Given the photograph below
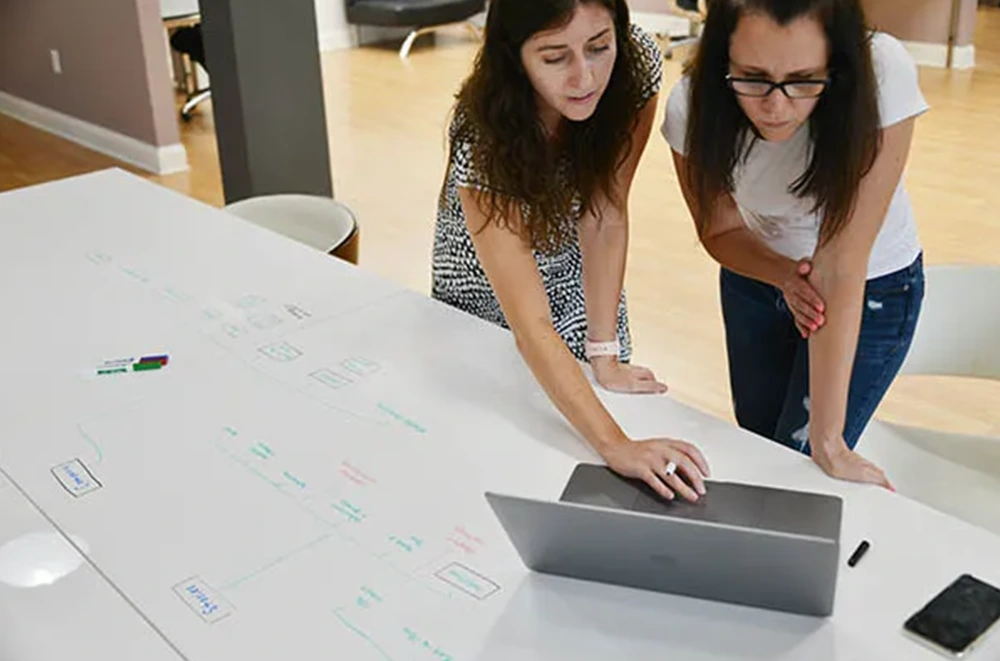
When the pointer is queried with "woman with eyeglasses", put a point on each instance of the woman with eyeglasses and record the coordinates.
(790, 131)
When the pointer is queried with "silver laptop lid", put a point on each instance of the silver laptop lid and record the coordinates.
(745, 505)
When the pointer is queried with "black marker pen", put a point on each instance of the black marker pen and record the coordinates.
(858, 552)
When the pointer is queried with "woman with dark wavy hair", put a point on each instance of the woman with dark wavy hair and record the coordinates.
(532, 226)
(790, 131)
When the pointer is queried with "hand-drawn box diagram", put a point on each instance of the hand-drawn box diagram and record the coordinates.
(76, 478)
(202, 600)
(282, 352)
(330, 379)
(264, 320)
(468, 581)
(360, 366)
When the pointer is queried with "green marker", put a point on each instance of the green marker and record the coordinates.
(141, 366)
(145, 367)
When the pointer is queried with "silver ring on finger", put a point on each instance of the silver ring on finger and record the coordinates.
(671, 469)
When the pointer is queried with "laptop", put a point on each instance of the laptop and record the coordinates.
(746, 544)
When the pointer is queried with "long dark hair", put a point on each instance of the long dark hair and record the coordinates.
(843, 128)
(496, 112)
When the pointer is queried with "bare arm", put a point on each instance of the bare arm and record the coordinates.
(839, 274)
(604, 246)
(731, 243)
(510, 265)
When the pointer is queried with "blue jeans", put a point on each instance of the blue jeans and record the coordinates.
(769, 360)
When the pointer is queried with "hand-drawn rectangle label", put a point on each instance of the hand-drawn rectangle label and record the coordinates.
(203, 600)
(283, 352)
(75, 478)
(361, 366)
(264, 320)
(458, 575)
(331, 379)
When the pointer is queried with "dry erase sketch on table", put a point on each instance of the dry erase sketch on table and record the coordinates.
(310, 460)
(175, 296)
(203, 600)
(76, 478)
(468, 581)
(296, 311)
(281, 352)
(311, 527)
(242, 322)
(246, 315)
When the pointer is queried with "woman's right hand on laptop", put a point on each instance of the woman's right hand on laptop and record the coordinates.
(649, 461)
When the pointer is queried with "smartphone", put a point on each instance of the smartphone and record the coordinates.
(957, 618)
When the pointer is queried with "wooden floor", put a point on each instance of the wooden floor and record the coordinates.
(387, 138)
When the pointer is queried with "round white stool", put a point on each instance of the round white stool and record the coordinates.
(316, 221)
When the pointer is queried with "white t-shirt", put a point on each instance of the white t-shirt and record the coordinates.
(786, 222)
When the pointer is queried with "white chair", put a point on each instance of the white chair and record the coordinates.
(958, 335)
(316, 221)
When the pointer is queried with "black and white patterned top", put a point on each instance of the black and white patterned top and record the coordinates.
(459, 279)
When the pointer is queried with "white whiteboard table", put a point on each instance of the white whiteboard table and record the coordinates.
(306, 476)
(53, 605)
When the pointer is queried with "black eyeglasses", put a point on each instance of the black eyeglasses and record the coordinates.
(793, 89)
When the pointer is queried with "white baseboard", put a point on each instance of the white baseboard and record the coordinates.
(169, 159)
(340, 38)
(936, 55)
(964, 57)
(663, 24)
(158, 160)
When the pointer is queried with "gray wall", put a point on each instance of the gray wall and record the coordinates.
(114, 62)
(921, 20)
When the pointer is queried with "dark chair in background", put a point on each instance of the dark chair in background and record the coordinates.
(188, 40)
(425, 16)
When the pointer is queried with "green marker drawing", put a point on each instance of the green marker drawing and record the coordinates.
(262, 451)
(465, 580)
(275, 562)
(92, 443)
(346, 512)
(278, 486)
(242, 462)
(364, 636)
(294, 480)
(371, 593)
(98, 257)
(407, 422)
(136, 274)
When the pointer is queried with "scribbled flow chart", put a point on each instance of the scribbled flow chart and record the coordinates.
(391, 574)
(257, 330)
